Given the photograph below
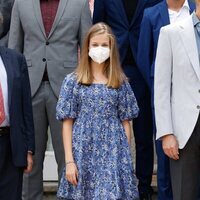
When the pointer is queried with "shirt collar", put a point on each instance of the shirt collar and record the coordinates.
(185, 6)
(195, 19)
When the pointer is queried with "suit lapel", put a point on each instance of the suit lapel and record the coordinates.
(192, 6)
(38, 15)
(118, 4)
(5, 59)
(163, 10)
(60, 11)
(189, 40)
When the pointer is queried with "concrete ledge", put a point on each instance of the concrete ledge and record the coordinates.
(50, 187)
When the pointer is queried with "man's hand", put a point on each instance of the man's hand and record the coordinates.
(29, 163)
(170, 146)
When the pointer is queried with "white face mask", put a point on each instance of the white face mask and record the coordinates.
(99, 54)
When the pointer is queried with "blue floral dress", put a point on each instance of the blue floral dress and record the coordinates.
(100, 146)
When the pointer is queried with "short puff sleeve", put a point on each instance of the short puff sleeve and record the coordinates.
(127, 103)
(67, 105)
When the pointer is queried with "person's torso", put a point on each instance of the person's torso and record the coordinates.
(63, 37)
(126, 33)
(97, 101)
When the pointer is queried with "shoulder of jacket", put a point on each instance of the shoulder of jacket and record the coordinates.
(152, 9)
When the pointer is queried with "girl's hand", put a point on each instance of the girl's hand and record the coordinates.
(72, 173)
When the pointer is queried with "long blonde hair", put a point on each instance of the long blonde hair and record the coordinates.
(112, 71)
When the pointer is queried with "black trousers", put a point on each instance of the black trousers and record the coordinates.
(143, 129)
(185, 172)
(10, 176)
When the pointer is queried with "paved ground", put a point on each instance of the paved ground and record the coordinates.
(53, 197)
(49, 197)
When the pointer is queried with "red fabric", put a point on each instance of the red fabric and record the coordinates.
(48, 9)
(2, 111)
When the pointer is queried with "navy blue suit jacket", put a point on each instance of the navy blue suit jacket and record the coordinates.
(113, 13)
(154, 18)
(20, 106)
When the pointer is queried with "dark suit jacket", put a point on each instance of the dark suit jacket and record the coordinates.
(20, 106)
(154, 18)
(113, 13)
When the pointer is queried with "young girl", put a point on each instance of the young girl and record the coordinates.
(96, 104)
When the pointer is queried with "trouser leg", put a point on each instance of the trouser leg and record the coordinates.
(143, 129)
(33, 182)
(10, 175)
(56, 130)
(185, 171)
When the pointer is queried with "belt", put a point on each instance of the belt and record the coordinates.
(4, 131)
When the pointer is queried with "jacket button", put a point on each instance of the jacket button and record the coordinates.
(44, 59)
(198, 107)
(199, 90)
(47, 42)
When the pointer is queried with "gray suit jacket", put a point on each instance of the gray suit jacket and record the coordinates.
(177, 81)
(59, 51)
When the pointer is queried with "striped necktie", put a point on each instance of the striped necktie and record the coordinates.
(2, 111)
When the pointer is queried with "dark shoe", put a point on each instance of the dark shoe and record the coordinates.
(147, 196)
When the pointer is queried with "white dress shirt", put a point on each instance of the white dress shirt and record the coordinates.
(184, 12)
(4, 85)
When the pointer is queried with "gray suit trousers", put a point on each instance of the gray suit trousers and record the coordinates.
(44, 112)
(185, 172)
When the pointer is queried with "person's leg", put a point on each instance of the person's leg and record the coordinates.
(33, 182)
(163, 166)
(10, 175)
(185, 171)
(56, 130)
(143, 131)
(163, 174)
(144, 149)
(198, 198)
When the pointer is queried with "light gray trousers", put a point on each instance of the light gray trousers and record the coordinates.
(44, 112)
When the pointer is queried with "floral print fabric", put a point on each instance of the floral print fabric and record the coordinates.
(100, 146)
